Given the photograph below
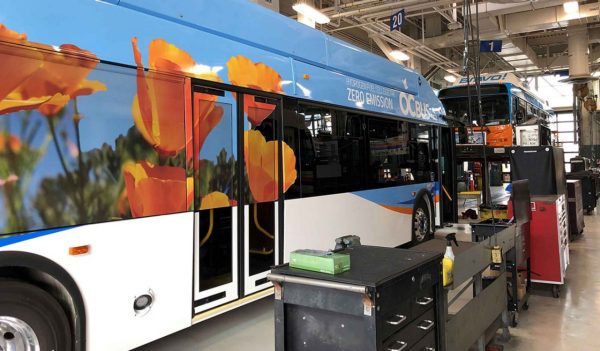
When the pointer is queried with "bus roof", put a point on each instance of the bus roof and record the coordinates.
(311, 64)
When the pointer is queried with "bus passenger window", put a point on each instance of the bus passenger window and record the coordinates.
(388, 153)
(337, 144)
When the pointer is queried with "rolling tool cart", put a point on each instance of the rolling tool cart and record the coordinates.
(576, 222)
(549, 241)
(518, 259)
(516, 263)
(477, 321)
(590, 188)
(390, 300)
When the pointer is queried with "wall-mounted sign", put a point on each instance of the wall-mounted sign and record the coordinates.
(490, 46)
(396, 20)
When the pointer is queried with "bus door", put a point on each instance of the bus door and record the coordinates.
(215, 172)
(262, 158)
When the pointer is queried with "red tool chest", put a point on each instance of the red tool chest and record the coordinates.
(549, 240)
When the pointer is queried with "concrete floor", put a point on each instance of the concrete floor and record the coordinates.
(567, 323)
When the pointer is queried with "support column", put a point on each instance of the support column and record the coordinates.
(579, 65)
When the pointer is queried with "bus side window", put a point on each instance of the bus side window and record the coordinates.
(389, 162)
(338, 151)
(521, 111)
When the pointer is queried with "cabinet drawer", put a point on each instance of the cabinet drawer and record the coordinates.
(426, 344)
(410, 335)
(396, 318)
(422, 301)
(400, 303)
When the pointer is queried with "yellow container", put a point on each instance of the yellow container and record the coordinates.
(486, 213)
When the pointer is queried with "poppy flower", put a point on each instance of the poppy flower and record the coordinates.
(17, 64)
(6, 33)
(63, 74)
(9, 142)
(261, 166)
(215, 199)
(43, 77)
(157, 108)
(245, 73)
(155, 190)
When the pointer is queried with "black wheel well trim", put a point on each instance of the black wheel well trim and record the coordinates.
(37, 263)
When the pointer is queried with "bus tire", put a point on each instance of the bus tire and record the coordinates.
(421, 221)
(31, 316)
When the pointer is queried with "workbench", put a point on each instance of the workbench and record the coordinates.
(468, 326)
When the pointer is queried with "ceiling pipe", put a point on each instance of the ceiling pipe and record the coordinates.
(345, 6)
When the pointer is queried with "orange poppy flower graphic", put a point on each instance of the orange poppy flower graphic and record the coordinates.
(6, 33)
(45, 78)
(245, 73)
(157, 109)
(154, 190)
(215, 199)
(27, 62)
(261, 166)
(9, 142)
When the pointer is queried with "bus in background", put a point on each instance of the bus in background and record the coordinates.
(505, 104)
(152, 170)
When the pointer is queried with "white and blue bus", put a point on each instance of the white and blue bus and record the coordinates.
(157, 158)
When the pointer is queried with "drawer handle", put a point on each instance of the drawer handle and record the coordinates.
(429, 349)
(399, 319)
(424, 301)
(402, 346)
(429, 325)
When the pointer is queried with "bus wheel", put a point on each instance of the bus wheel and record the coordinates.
(31, 319)
(421, 224)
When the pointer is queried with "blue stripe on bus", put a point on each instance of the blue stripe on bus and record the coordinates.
(13, 239)
(400, 196)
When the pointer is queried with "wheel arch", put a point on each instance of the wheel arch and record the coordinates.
(51, 277)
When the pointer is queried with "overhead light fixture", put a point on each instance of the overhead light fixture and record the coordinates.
(399, 55)
(596, 74)
(310, 12)
(450, 78)
(571, 8)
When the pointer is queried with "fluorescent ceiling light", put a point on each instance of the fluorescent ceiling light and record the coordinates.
(451, 78)
(310, 12)
(571, 7)
(399, 55)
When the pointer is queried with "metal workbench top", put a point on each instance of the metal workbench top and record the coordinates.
(370, 265)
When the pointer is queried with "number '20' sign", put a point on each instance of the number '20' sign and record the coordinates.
(396, 20)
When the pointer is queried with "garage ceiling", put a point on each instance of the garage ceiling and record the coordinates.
(533, 33)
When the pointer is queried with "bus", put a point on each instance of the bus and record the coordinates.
(157, 158)
(505, 102)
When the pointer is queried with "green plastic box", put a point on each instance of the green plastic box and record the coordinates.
(320, 261)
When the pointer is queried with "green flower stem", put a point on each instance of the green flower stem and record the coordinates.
(76, 119)
(58, 151)
(78, 203)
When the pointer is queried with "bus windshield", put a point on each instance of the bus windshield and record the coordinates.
(494, 109)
